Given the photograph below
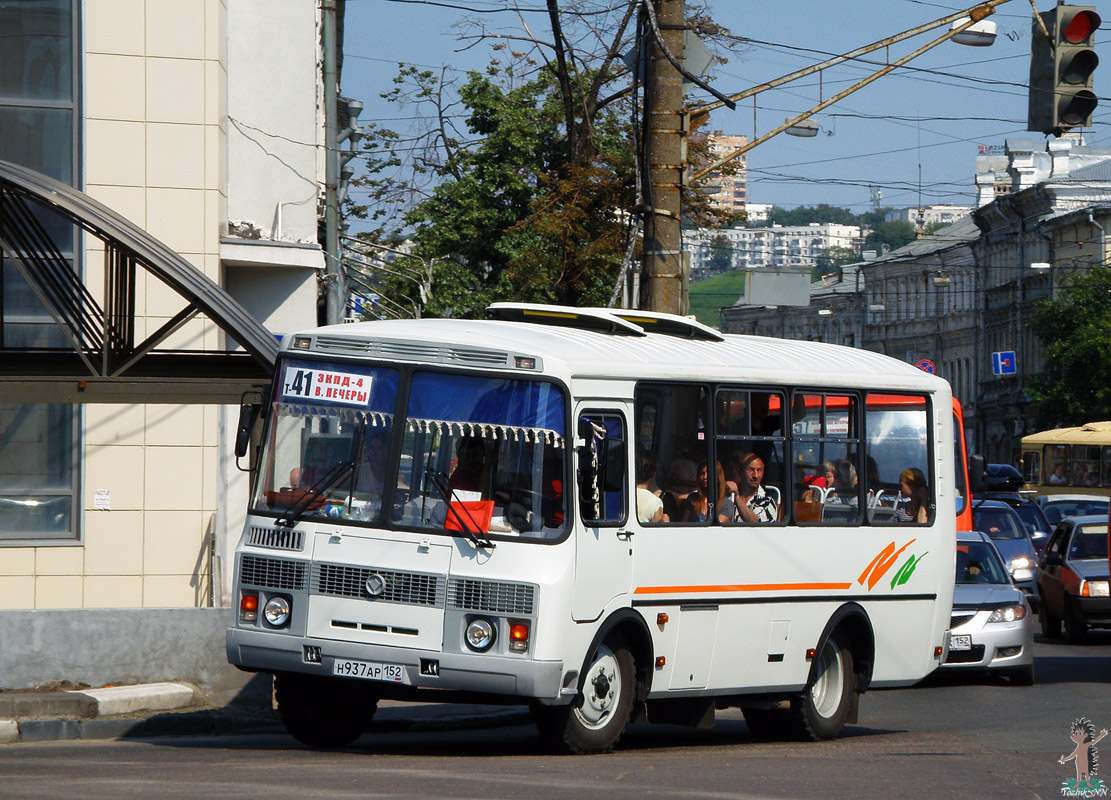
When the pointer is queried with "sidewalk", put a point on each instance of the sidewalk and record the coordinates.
(174, 709)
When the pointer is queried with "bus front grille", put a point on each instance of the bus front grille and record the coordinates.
(272, 573)
(504, 598)
(276, 538)
(410, 588)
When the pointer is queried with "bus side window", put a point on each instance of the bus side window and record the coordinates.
(671, 425)
(602, 469)
(896, 430)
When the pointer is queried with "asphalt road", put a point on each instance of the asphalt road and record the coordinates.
(953, 736)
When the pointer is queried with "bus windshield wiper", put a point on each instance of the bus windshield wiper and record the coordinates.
(326, 481)
(477, 537)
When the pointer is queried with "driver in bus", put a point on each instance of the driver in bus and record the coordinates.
(470, 468)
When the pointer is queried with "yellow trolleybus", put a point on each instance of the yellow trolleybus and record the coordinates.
(1069, 460)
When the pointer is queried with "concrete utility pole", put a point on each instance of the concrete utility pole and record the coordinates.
(663, 288)
(335, 290)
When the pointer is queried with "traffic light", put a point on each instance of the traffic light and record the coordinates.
(1061, 68)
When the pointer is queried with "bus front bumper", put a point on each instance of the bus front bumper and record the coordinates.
(468, 672)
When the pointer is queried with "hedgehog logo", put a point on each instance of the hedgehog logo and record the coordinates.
(1085, 756)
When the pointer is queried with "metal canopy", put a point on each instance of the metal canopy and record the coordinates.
(104, 362)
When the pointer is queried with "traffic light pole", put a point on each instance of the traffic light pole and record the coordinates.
(664, 287)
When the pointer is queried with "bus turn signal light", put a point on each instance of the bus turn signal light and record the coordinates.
(518, 637)
(248, 607)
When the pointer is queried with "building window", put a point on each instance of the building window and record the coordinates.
(38, 129)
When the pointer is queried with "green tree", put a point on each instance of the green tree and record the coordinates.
(516, 185)
(1075, 330)
(805, 215)
(892, 234)
(721, 254)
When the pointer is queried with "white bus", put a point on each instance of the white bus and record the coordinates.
(448, 510)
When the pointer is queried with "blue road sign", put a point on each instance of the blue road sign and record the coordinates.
(925, 365)
(1003, 363)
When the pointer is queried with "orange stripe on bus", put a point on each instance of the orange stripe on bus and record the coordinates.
(744, 587)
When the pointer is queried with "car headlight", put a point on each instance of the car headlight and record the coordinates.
(1012, 613)
(276, 611)
(1022, 562)
(480, 634)
(1094, 589)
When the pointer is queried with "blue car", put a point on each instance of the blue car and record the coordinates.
(1011, 538)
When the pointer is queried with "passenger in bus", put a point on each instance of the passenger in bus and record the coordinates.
(650, 508)
(470, 468)
(697, 507)
(1058, 478)
(681, 482)
(914, 497)
(749, 502)
(844, 483)
(372, 470)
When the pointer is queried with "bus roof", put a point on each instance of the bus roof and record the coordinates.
(1088, 433)
(582, 352)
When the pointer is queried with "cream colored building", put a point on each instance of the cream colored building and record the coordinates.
(201, 121)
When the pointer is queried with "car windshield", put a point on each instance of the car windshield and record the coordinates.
(1089, 541)
(1032, 517)
(998, 523)
(977, 562)
(1057, 511)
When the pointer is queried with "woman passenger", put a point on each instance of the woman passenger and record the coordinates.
(696, 507)
(914, 497)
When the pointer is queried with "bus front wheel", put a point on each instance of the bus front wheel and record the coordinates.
(323, 712)
(594, 722)
(821, 710)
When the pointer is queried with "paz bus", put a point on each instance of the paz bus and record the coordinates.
(1070, 460)
(531, 509)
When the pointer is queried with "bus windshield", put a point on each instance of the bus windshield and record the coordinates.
(482, 455)
(476, 455)
(328, 438)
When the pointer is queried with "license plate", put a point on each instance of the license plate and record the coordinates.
(960, 642)
(368, 670)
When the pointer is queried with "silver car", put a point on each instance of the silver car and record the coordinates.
(992, 627)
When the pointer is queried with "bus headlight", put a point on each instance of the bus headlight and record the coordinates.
(1008, 614)
(276, 611)
(480, 634)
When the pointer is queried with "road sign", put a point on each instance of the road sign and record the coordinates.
(1003, 363)
(925, 365)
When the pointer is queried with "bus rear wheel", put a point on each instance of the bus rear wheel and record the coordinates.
(821, 710)
(323, 712)
(596, 719)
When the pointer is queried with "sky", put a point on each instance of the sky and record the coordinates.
(913, 134)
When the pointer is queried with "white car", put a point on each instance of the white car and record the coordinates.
(1057, 507)
(992, 627)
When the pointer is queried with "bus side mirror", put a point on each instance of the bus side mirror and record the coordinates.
(977, 471)
(248, 414)
(614, 479)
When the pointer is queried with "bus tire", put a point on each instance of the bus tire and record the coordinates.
(1051, 623)
(821, 710)
(596, 719)
(323, 712)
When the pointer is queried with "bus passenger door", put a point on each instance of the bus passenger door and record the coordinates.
(603, 539)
